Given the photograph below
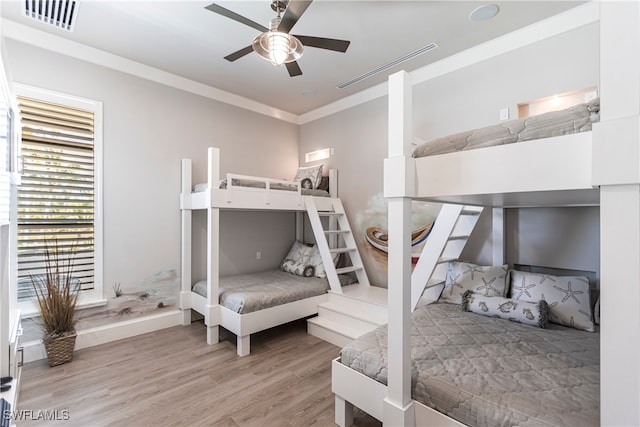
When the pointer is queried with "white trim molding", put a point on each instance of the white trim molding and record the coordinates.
(571, 19)
(57, 44)
(34, 350)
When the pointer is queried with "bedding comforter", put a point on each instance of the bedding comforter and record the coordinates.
(246, 293)
(485, 371)
(574, 119)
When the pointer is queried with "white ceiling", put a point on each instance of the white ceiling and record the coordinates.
(183, 38)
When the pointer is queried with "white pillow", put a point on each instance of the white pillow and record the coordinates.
(567, 297)
(311, 174)
(483, 280)
(316, 261)
(297, 259)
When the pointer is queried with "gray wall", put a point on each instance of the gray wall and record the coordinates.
(462, 100)
(148, 128)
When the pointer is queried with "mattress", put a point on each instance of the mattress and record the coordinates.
(574, 119)
(485, 371)
(246, 293)
(260, 184)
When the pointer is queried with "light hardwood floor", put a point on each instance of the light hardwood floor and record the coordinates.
(173, 378)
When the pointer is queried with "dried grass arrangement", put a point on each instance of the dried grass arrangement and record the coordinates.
(57, 295)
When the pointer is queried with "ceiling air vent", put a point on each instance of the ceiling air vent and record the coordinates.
(59, 13)
(388, 65)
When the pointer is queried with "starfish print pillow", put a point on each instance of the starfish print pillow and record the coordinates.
(483, 280)
(567, 297)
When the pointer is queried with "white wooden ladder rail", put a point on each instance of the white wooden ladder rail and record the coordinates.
(336, 239)
(448, 238)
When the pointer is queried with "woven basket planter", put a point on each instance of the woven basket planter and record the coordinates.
(60, 350)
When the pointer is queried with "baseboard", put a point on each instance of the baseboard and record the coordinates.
(34, 350)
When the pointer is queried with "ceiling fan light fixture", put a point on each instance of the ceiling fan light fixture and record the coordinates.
(277, 47)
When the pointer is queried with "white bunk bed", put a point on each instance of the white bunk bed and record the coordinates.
(274, 195)
(592, 168)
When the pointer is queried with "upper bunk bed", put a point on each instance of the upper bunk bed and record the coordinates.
(251, 192)
(543, 160)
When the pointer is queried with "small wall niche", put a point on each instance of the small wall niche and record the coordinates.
(557, 102)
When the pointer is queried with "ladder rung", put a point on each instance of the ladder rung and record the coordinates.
(330, 214)
(445, 260)
(458, 237)
(467, 211)
(341, 250)
(335, 231)
(434, 282)
(347, 269)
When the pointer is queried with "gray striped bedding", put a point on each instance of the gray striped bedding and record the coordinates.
(574, 119)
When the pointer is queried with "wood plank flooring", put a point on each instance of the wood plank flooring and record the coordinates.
(173, 378)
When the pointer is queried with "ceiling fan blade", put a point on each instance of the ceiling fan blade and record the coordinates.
(239, 54)
(323, 43)
(239, 18)
(293, 68)
(294, 11)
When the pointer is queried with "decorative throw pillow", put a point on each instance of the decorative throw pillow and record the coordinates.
(484, 280)
(309, 271)
(306, 183)
(316, 260)
(314, 173)
(567, 296)
(531, 313)
(297, 259)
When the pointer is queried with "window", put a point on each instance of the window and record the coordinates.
(59, 197)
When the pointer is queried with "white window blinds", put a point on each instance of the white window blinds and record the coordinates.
(56, 194)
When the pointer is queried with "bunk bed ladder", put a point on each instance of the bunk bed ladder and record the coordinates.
(448, 238)
(334, 240)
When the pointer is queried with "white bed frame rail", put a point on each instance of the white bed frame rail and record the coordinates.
(247, 198)
(533, 173)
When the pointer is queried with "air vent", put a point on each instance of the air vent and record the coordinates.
(59, 13)
(388, 65)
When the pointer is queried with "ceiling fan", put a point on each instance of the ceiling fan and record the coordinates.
(275, 44)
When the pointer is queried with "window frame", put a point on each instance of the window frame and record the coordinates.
(95, 296)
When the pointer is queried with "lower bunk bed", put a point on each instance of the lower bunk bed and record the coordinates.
(472, 369)
(500, 347)
(250, 303)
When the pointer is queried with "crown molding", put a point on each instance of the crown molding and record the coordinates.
(558, 24)
(25, 34)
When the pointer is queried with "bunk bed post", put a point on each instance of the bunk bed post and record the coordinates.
(333, 192)
(213, 247)
(497, 236)
(185, 253)
(399, 187)
(333, 183)
(617, 172)
(300, 226)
